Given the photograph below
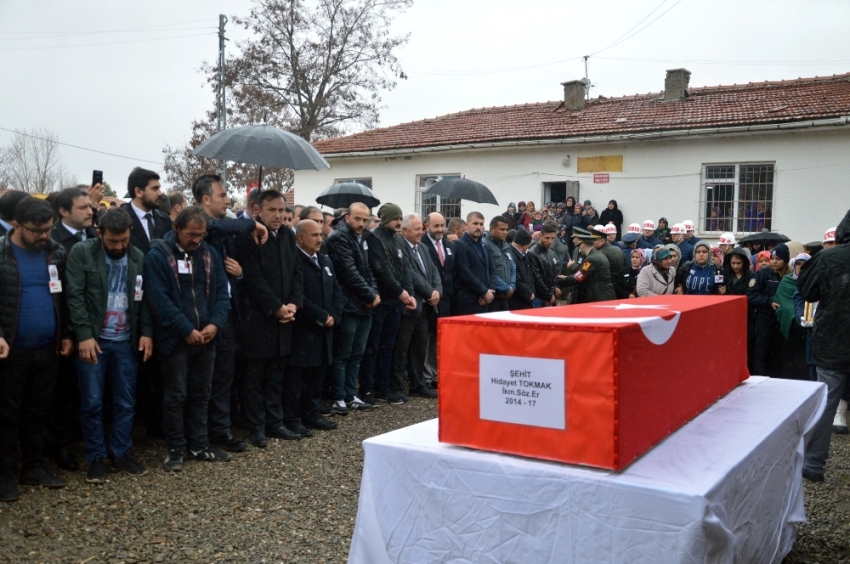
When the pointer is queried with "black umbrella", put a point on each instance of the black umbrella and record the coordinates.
(344, 194)
(765, 237)
(263, 145)
(462, 189)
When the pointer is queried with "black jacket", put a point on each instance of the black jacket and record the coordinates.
(446, 271)
(386, 259)
(271, 278)
(826, 279)
(524, 281)
(737, 286)
(351, 262)
(312, 342)
(424, 282)
(10, 290)
(615, 265)
(161, 223)
(473, 276)
(614, 216)
(545, 267)
(761, 290)
(65, 238)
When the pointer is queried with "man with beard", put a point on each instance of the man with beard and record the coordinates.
(32, 331)
(475, 273)
(148, 222)
(272, 293)
(545, 266)
(187, 291)
(111, 322)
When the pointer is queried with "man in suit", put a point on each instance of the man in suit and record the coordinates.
(524, 293)
(442, 256)
(73, 207)
(312, 335)
(474, 271)
(412, 341)
(149, 222)
(271, 294)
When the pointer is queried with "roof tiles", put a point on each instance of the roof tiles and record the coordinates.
(705, 107)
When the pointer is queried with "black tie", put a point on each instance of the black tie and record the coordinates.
(315, 260)
(78, 236)
(149, 219)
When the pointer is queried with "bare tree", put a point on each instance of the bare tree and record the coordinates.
(316, 68)
(32, 163)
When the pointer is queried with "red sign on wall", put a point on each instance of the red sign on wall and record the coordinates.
(600, 178)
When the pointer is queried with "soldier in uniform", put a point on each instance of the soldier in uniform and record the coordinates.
(590, 281)
(614, 257)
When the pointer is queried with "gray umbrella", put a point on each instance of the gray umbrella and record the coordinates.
(344, 194)
(462, 189)
(263, 145)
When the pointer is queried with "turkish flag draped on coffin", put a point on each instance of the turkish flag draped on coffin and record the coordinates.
(596, 384)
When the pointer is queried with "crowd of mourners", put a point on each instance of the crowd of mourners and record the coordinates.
(279, 317)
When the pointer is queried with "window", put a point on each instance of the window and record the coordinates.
(364, 181)
(737, 197)
(450, 207)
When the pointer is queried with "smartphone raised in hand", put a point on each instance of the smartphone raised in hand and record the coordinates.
(97, 177)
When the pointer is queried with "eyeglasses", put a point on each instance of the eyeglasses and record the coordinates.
(38, 232)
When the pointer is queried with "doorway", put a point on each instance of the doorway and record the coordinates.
(560, 191)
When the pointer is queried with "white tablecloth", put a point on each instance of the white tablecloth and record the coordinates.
(726, 487)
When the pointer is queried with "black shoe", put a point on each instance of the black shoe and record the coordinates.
(129, 466)
(326, 411)
(281, 432)
(380, 396)
(229, 443)
(41, 476)
(812, 476)
(358, 404)
(258, 439)
(97, 471)
(8, 488)
(425, 392)
(210, 454)
(370, 399)
(65, 459)
(300, 429)
(339, 408)
(434, 385)
(321, 424)
(174, 461)
(395, 398)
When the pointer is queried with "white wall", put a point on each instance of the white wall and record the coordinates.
(659, 178)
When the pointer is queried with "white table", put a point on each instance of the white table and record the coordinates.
(727, 487)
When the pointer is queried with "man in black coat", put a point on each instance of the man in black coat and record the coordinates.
(825, 279)
(8, 202)
(312, 335)
(148, 222)
(474, 270)
(524, 293)
(73, 206)
(442, 256)
(545, 266)
(412, 341)
(349, 251)
(271, 294)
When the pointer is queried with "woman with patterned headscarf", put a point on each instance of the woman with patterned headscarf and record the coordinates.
(637, 260)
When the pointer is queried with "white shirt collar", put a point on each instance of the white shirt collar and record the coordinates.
(311, 257)
(139, 211)
(73, 231)
(8, 226)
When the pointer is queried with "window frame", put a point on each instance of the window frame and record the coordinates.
(440, 201)
(356, 181)
(735, 180)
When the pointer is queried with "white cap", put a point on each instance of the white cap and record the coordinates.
(677, 229)
(689, 225)
(649, 224)
(634, 228)
(600, 228)
(829, 236)
(610, 229)
(726, 239)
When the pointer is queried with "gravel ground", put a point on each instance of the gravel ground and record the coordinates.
(295, 501)
(292, 502)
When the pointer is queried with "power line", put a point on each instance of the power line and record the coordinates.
(631, 28)
(624, 39)
(77, 146)
(59, 33)
(102, 43)
(460, 72)
(63, 36)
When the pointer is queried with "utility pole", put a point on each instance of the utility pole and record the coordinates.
(586, 80)
(221, 167)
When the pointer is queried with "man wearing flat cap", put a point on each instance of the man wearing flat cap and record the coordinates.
(591, 281)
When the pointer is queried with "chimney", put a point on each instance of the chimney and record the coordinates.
(676, 85)
(574, 95)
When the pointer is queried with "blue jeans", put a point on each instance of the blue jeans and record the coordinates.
(377, 363)
(349, 343)
(117, 361)
(817, 451)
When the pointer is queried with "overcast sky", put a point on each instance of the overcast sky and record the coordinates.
(122, 77)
